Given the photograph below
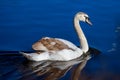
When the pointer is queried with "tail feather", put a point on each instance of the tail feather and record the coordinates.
(25, 55)
(36, 56)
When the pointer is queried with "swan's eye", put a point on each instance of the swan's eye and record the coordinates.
(87, 18)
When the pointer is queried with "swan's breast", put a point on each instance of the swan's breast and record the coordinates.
(50, 44)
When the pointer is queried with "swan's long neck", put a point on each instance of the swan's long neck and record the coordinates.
(81, 36)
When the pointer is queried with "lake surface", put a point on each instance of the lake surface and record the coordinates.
(26, 21)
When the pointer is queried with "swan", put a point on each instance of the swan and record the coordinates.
(58, 49)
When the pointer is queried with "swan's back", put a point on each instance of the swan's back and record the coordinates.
(53, 44)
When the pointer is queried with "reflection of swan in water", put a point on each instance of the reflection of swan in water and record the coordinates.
(54, 70)
(15, 66)
(60, 49)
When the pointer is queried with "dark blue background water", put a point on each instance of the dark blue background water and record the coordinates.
(24, 22)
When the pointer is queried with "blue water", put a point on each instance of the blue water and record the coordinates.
(24, 22)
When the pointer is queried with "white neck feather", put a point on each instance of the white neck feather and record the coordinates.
(82, 38)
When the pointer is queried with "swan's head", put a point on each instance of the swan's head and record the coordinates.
(81, 16)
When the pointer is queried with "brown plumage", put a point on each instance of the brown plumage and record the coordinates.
(50, 44)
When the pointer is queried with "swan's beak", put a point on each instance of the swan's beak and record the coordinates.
(89, 22)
